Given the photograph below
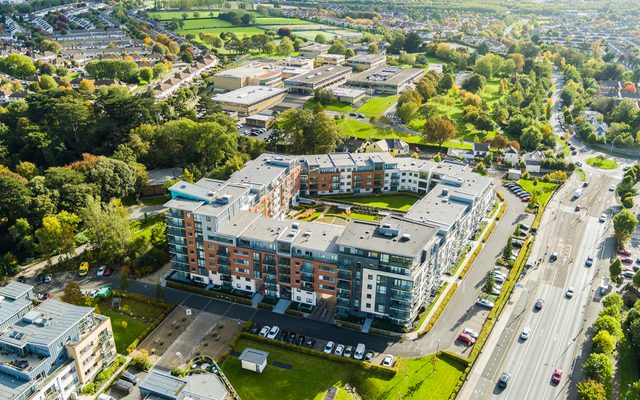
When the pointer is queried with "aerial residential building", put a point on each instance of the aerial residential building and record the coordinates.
(320, 78)
(232, 233)
(367, 61)
(51, 350)
(159, 385)
(396, 147)
(249, 75)
(312, 50)
(386, 79)
(330, 59)
(250, 99)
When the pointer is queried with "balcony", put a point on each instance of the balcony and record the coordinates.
(343, 285)
(177, 250)
(172, 223)
(177, 240)
(344, 275)
(307, 277)
(180, 232)
(270, 270)
(175, 214)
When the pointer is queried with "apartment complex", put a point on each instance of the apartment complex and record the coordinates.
(323, 77)
(50, 350)
(386, 79)
(250, 99)
(385, 269)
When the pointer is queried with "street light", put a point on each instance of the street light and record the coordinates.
(435, 356)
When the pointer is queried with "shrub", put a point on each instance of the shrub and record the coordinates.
(470, 261)
(141, 360)
(294, 313)
(89, 388)
(503, 208)
(487, 234)
(124, 324)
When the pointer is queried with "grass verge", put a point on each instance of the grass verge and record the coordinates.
(399, 201)
(602, 162)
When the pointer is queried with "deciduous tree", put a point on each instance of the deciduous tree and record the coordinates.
(439, 130)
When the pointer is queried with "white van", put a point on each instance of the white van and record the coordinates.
(359, 354)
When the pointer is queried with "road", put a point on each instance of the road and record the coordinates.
(559, 329)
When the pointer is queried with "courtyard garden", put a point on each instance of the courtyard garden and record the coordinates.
(396, 201)
(309, 376)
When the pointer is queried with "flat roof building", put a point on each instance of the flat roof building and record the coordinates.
(367, 61)
(160, 385)
(312, 50)
(386, 79)
(330, 59)
(349, 95)
(320, 78)
(248, 75)
(250, 99)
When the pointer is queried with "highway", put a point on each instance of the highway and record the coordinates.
(558, 330)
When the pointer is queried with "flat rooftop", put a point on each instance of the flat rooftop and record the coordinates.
(347, 160)
(367, 58)
(315, 47)
(438, 207)
(348, 92)
(249, 95)
(243, 72)
(393, 235)
(386, 75)
(211, 200)
(16, 290)
(320, 74)
(264, 169)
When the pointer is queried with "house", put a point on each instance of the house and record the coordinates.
(514, 174)
(600, 128)
(510, 155)
(396, 147)
(480, 149)
(533, 161)
(157, 178)
(254, 360)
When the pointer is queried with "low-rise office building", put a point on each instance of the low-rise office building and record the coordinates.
(349, 95)
(364, 62)
(249, 75)
(51, 350)
(330, 59)
(385, 269)
(386, 79)
(250, 99)
(312, 50)
(320, 78)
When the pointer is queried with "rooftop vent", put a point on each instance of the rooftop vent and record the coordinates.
(405, 237)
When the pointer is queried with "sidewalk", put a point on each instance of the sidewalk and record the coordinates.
(33, 269)
(454, 278)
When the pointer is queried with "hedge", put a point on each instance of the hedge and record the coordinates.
(294, 313)
(265, 306)
(209, 293)
(439, 310)
(386, 371)
(503, 208)
(500, 196)
(455, 357)
(487, 234)
(470, 261)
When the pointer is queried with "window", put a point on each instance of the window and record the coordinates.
(370, 277)
(248, 287)
(368, 296)
(368, 305)
(369, 287)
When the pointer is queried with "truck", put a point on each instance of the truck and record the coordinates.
(604, 285)
(577, 193)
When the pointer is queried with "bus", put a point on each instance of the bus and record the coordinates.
(84, 268)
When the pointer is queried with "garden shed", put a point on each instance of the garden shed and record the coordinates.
(254, 360)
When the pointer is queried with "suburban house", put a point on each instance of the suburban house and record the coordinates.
(157, 178)
(533, 162)
(595, 119)
(396, 147)
(511, 155)
(480, 149)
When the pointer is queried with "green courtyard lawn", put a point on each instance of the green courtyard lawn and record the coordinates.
(491, 92)
(310, 377)
(602, 162)
(337, 106)
(542, 191)
(397, 201)
(627, 365)
(377, 106)
(142, 227)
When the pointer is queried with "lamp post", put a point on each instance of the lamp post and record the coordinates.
(435, 356)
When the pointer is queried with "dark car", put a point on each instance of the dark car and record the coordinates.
(108, 271)
(310, 343)
(301, 339)
(291, 338)
(504, 380)
(40, 278)
(122, 386)
(255, 330)
(284, 335)
(22, 279)
(539, 304)
(129, 377)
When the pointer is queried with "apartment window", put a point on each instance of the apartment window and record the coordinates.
(369, 287)
(298, 298)
(368, 305)
(370, 277)
(369, 296)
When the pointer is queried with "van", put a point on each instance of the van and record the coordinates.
(122, 386)
(360, 350)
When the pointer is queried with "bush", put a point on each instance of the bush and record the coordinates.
(503, 208)
(124, 324)
(439, 310)
(89, 388)
(294, 313)
(487, 234)
(265, 306)
(141, 361)
(470, 261)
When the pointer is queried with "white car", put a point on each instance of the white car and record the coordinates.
(348, 351)
(388, 361)
(526, 332)
(470, 332)
(496, 289)
(589, 261)
(101, 270)
(328, 348)
(484, 303)
(570, 292)
(264, 331)
(612, 188)
(273, 332)
(93, 293)
(339, 350)
(603, 217)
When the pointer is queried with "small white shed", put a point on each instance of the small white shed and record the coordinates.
(254, 360)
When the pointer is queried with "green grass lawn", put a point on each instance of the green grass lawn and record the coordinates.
(397, 201)
(280, 21)
(123, 337)
(627, 365)
(240, 31)
(205, 23)
(367, 131)
(491, 92)
(143, 227)
(602, 162)
(378, 105)
(311, 376)
(337, 106)
(542, 191)
(169, 15)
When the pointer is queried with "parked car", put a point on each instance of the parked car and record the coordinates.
(48, 278)
(122, 386)
(569, 293)
(585, 184)
(108, 271)
(22, 279)
(359, 353)
(45, 296)
(466, 339)
(504, 380)
(339, 350)
(255, 330)
(624, 252)
(556, 377)
(628, 273)
(470, 332)
(612, 188)
(310, 343)
(100, 271)
(484, 303)
(300, 340)
(368, 356)
(104, 291)
(129, 377)
(348, 351)
(292, 338)
(603, 217)
(388, 361)
(627, 260)
(264, 331)
(273, 332)
(93, 293)
(328, 348)
(589, 261)
(526, 332)
(577, 208)
(554, 256)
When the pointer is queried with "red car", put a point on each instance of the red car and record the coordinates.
(624, 252)
(557, 376)
(627, 260)
(577, 208)
(466, 339)
(108, 271)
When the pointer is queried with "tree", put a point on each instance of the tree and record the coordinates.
(87, 86)
(614, 299)
(50, 45)
(285, 48)
(145, 74)
(531, 138)
(624, 223)
(413, 42)
(599, 368)
(72, 294)
(608, 323)
(474, 83)
(124, 279)
(47, 82)
(499, 142)
(603, 342)
(508, 249)
(17, 65)
(446, 82)
(27, 169)
(439, 130)
(615, 269)
(54, 237)
(591, 390)
(108, 227)
(114, 178)
(320, 38)
(406, 112)
(489, 283)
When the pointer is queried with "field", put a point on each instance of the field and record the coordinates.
(602, 162)
(397, 201)
(310, 377)
(542, 191)
(169, 15)
(238, 31)
(377, 106)
(367, 131)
